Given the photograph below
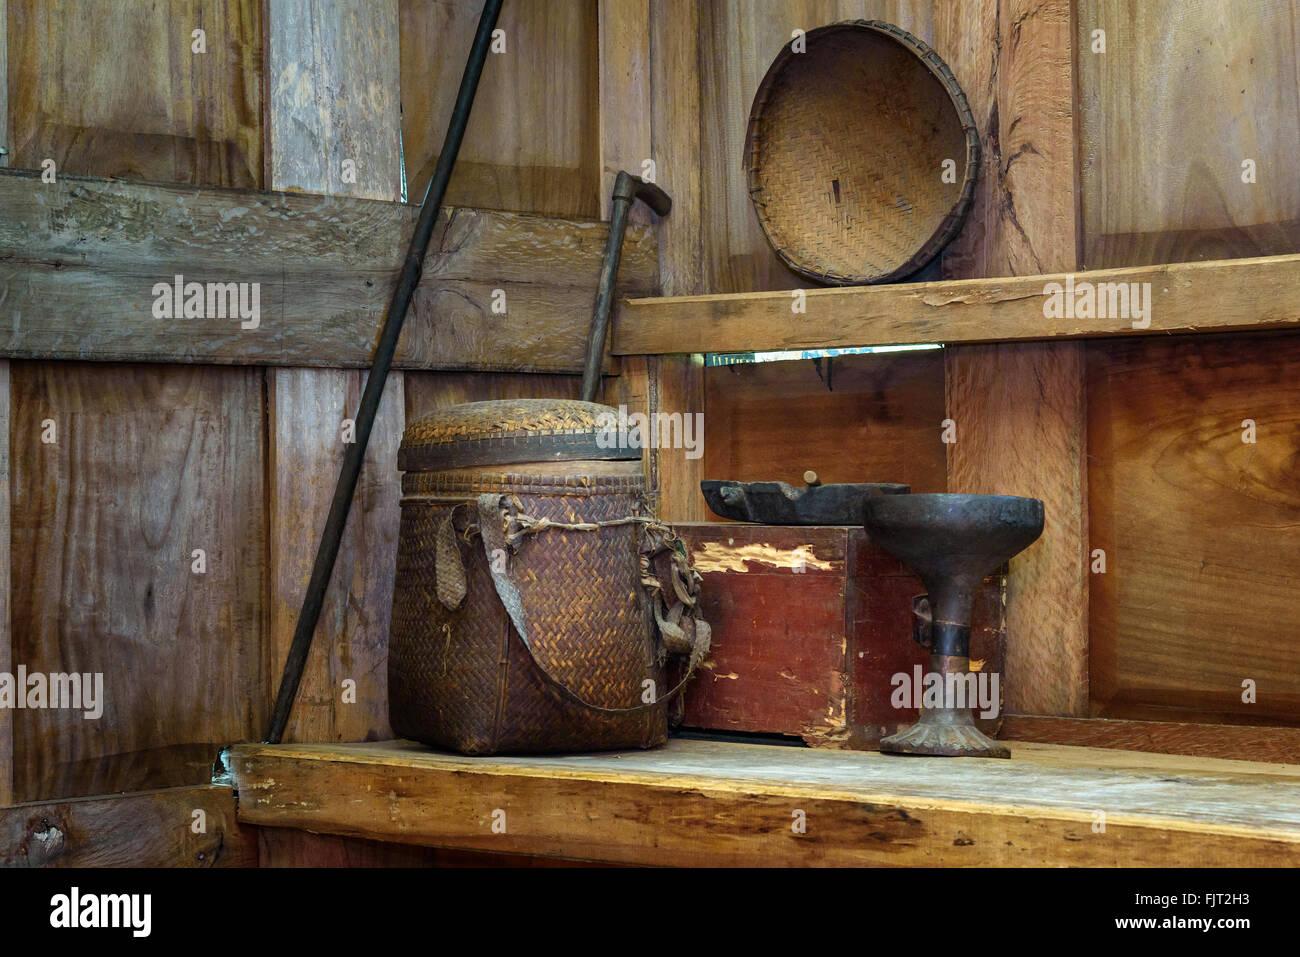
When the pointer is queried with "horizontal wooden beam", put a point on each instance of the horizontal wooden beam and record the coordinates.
(714, 803)
(1217, 296)
(82, 260)
(174, 827)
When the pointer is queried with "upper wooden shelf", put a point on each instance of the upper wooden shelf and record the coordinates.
(1212, 296)
(710, 803)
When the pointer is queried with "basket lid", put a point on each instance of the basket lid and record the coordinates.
(504, 431)
(861, 153)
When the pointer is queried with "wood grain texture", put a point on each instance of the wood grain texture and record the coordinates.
(333, 97)
(1019, 415)
(1019, 408)
(738, 41)
(428, 392)
(1240, 742)
(1185, 92)
(531, 144)
(333, 77)
(306, 412)
(1013, 58)
(147, 466)
(112, 88)
(697, 802)
(1219, 296)
(675, 142)
(6, 634)
(79, 260)
(674, 382)
(146, 829)
(625, 98)
(856, 418)
(1198, 527)
(6, 612)
(6, 128)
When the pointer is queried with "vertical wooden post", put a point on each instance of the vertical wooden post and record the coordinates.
(650, 108)
(1019, 409)
(333, 125)
(6, 636)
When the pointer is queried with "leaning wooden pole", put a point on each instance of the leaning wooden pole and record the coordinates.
(407, 281)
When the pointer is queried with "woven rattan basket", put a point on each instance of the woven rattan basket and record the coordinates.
(846, 151)
(527, 611)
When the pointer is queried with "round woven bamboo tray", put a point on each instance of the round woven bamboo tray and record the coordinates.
(846, 149)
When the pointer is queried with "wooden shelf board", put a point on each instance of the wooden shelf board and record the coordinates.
(1214, 296)
(706, 802)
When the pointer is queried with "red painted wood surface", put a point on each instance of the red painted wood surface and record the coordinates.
(812, 653)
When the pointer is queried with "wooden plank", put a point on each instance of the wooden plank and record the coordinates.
(6, 128)
(119, 475)
(698, 802)
(1232, 295)
(1018, 409)
(305, 413)
(1241, 742)
(1197, 523)
(531, 144)
(6, 633)
(1019, 412)
(1184, 93)
(675, 141)
(113, 88)
(856, 418)
(137, 468)
(146, 829)
(625, 101)
(333, 76)
(674, 383)
(428, 392)
(334, 119)
(6, 622)
(79, 260)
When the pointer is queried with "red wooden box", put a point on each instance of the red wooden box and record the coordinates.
(812, 652)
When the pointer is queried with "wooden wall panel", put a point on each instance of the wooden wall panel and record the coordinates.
(343, 55)
(1198, 526)
(6, 639)
(6, 610)
(1019, 409)
(150, 463)
(111, 88)
(146, 466)
(739, 39)
(532, 144)
(146, 829)
(431, 391)
(861, 418)
(1187, 90)
(79, 260)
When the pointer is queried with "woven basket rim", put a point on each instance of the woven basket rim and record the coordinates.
(951, 223)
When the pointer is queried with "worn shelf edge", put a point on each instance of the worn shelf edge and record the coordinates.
(1232, 295)
(705, 802)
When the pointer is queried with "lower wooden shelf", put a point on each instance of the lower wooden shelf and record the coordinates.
(717, 803)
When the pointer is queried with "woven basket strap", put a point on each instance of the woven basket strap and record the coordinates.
(493, 532)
